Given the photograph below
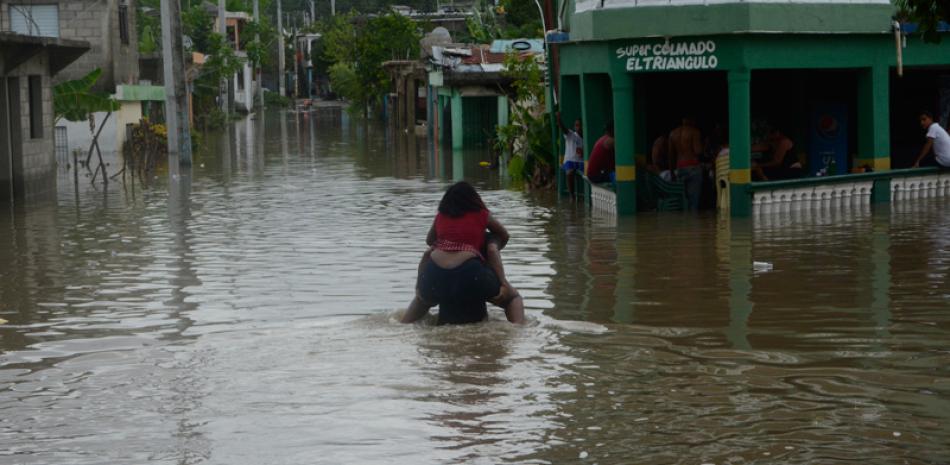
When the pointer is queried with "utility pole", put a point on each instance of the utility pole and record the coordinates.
(176, 97)
(257, 66)
(223, 30)
(313, 12)
(293, 37)
(332, 7)
(280, 54)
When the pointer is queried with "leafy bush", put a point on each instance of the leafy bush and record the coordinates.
(273, 99)
(527, 138)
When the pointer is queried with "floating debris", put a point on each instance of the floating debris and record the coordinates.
(583, 454)
(762, 266)
(2, 321)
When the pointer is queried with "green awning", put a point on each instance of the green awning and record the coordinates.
(132, 93)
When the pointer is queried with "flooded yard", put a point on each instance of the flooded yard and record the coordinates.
(245, 312)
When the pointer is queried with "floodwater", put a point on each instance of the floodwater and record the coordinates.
(246, 313)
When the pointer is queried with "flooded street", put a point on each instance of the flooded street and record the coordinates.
(246, 313)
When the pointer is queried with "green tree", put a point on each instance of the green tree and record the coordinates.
(482, 27)
(927, 13)
(198, 25)
(221, 62)
(361, 45)
(527, 137)
(522, 19)
(75, 101)
(148, 23)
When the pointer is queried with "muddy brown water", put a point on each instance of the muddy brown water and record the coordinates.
(245, 313)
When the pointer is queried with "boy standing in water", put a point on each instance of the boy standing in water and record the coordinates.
(573, 151)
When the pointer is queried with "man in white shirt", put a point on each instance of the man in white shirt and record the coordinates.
(937, 139)
(573, 151)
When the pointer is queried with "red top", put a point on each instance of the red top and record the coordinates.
(464, 233)
(601, 158)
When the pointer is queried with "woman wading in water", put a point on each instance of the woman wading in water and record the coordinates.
(462, 268)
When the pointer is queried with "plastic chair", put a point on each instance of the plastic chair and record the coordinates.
(670, 196)
(722, 182)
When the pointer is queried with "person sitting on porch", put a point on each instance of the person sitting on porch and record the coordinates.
(601, 165)
(685, 148)
(573, 151)
(781, 163)
(937, 139)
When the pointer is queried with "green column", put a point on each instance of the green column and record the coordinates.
(457, 131)
(625, 295)
(874, 126)
(438, 130)
(624, 144)
(738, 233)
(458, 165)
(593, 109)
(502, 110)
(740, 143)
(880, 286)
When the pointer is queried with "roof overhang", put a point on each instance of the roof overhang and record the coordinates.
(18, 48)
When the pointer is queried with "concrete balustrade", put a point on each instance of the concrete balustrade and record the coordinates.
(603, 200)
(920, 187)
(818, 197)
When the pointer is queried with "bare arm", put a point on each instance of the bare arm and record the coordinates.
(781, 151)
(697, 144)
(560, 123)
(499, 231)
(924, 152)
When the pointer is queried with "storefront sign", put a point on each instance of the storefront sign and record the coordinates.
(670, 56)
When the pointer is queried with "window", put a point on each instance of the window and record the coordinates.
(34, 20)
(124, 24)
(36, 107)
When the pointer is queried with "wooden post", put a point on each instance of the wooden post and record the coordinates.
(176, 101)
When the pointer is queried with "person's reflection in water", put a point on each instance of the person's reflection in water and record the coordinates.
(468, 366)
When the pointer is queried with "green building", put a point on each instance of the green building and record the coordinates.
(735, 65)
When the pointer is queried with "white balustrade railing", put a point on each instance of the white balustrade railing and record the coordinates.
(818, 197)
(603, 200)
(920, 187)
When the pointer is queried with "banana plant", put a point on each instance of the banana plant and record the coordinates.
(76, 101)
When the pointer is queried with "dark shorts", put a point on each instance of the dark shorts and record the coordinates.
(461, 292)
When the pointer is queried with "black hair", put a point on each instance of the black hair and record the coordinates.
(460, 198)
(927, 114)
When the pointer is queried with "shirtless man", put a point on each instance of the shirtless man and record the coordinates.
(685, 147)
(781, 162)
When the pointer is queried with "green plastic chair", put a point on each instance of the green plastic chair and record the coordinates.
(670, 196)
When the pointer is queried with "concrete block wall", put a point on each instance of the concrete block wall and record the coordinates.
(37, 169)
(97, 21)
